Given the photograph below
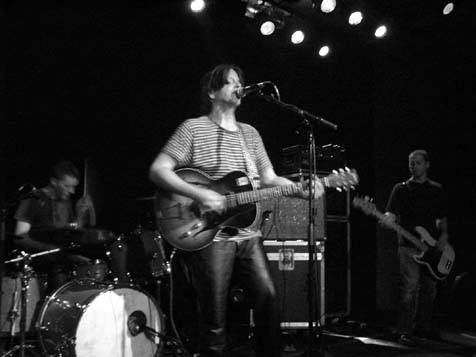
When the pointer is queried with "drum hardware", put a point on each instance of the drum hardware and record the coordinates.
(138, 257)
(97, 269)
(27, 272)
(137, 323)
(87, 318)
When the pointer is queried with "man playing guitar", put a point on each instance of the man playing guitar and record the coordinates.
(217, 144)
(415, 202)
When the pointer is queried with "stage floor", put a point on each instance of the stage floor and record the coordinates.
(342, 339)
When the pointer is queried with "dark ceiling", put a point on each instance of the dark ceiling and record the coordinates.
(112, 82)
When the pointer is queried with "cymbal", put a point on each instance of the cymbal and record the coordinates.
(145, 198)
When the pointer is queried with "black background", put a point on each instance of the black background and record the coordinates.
(111, 82)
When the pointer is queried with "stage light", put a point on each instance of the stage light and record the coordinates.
(381, 31)
(328, 6)
(197, 5)
(297, 37)
(448, 8)
(324, 51)
(355, 18)
(251, 11)
(267, 28)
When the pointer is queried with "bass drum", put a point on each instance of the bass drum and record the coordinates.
(86, 318)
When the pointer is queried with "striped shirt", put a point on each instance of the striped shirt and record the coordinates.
(202, 144)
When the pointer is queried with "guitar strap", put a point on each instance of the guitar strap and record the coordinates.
(251, 168)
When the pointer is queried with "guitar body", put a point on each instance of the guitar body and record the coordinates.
(439, 262)
(182, 222)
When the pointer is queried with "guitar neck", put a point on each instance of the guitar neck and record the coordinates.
(400, 230)
(242, 198)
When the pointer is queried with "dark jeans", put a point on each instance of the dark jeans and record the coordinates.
(417, 293)
(211, 270)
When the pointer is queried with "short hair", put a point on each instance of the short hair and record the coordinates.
(214, 80)
(63, 168)
(421, 152)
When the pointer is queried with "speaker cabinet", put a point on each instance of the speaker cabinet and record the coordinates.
(289, 269)
(287, 218)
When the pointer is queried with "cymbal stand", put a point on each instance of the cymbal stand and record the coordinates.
(25, 279)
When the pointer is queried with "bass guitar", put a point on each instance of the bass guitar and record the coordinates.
(184, 225)
(438, 261)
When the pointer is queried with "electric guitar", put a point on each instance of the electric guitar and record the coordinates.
(184, 225)
(438, 261)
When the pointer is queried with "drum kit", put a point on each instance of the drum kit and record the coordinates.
(109, 306)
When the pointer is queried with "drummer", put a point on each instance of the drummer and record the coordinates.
(48, 209)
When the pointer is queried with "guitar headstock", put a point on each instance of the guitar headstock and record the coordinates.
(365, 204)
(342, 179)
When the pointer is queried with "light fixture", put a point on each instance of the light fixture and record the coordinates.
(267, 28)
(297, 37)
(448, 8)
(381, 31)
(355, 18)
(324, 51)
(197, 5)
(251, 11)
(328, 6)
(255, 7)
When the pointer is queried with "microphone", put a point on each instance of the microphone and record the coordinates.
(244, 91)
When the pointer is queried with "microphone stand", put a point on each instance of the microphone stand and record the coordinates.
(314, 326)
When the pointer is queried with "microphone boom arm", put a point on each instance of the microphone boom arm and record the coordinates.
(302, 113)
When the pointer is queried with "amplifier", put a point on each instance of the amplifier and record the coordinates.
(289, 269)
(287, 218)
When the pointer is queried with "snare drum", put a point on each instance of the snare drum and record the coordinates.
(85, 318)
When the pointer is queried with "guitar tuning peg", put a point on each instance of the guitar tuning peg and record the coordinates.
(334, 172)
(339, 189)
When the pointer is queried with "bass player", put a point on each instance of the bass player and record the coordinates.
(417, 201)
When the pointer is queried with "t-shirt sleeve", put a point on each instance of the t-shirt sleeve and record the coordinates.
(180, 145)
(26, 210)
(262, 158)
